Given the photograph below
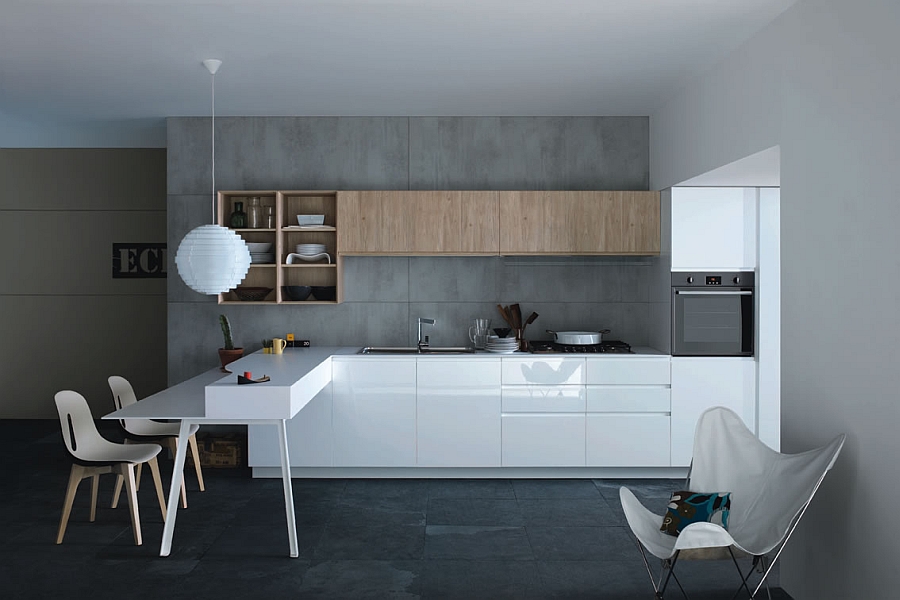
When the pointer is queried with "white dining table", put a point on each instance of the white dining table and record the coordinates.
(214, 397)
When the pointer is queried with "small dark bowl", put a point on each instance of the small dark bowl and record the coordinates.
(295, 293)
(502, 331)
(252, 294)
(324, 293)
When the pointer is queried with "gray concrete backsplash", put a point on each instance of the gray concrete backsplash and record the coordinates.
(383, 296)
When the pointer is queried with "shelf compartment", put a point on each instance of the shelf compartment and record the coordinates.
(295, 203)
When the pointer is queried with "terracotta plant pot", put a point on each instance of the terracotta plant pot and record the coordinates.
(229, 356)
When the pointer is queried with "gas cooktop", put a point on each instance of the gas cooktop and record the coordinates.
(606, 346)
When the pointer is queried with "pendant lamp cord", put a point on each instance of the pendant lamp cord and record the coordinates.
(214, 148)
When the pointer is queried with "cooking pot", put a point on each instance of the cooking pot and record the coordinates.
(577, 338)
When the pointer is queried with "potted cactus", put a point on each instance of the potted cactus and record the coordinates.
(229, 353)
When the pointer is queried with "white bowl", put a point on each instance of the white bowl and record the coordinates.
(259, 247)
(310, 219)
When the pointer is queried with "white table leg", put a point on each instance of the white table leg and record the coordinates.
(175, 488)
(288, 490)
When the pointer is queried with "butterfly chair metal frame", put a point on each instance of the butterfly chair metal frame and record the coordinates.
(93, 455)
(767, 488)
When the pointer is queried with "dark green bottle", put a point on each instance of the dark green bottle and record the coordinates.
(238, 217)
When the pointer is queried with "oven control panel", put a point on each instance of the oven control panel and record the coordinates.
(731, 279)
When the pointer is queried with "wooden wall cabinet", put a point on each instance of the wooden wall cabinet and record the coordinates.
(418, 223)
(575, 223)
(285, 236)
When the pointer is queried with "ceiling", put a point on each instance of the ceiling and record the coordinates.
(83, 61)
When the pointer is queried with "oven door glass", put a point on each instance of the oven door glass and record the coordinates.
(712, 323)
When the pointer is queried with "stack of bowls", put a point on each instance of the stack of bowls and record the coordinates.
(261, 252)
(500, 345)
(310, 249)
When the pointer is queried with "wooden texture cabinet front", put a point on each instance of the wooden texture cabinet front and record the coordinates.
(579, 222)
(410, 223)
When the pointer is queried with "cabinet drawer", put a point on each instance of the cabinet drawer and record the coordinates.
(457, 374)
(546, 371)
(535, 399)
(543, 440)
(631, 370)
(627, 440)
(636, 398)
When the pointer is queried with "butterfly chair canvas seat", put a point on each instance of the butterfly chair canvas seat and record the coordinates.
(769, 493)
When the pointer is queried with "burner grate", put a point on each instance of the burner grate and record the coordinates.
(609, 346)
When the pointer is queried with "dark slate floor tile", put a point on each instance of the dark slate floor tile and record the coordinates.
(569, 512)
(480, 580)
(245, 577)
(263, 540)
(595, 580)
(555, 488)
(390, 542)
(188, 542)
(470, 488)
(362, 579)
(381, 489)
(271, 510)
(477, 543)
(474, 511)
(388, 511)
(582, 543)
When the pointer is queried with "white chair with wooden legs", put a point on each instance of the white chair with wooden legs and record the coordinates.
(146, 430)
(94, 455)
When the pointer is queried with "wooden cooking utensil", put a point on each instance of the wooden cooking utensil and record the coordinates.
(516, 313)
(504, 312)
(531, 318)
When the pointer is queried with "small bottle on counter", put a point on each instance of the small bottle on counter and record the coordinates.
(254, 214)
(270, 217)
(238, 217)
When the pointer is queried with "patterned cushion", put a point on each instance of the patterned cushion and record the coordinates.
(692, 507)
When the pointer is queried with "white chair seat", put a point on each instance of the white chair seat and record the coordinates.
(150, 428)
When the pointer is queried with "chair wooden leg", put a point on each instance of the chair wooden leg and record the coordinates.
(95, 486)
(127, 470)
(75, 477)
(196, 454)
(137, 477)
(173, 446)
(118, 491)
(157, 481)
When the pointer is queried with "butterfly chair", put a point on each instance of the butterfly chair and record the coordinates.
(769, 491)
(147, 430)
(94, 455)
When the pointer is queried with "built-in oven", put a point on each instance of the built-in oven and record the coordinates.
(712, 313)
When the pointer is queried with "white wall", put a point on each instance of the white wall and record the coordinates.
(823, 81)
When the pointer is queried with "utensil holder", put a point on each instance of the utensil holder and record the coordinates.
(520, 338)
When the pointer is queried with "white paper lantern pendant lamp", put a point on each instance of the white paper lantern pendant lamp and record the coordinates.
(212, 259)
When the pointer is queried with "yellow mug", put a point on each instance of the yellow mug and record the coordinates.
(278, 345)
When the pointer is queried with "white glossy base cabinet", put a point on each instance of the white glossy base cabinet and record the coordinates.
(543, 426)
(628, 412)
(701, 383)
(458, 413)
(374, 412)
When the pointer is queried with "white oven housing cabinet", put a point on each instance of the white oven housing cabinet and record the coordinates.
(734, 229)
(714, 229)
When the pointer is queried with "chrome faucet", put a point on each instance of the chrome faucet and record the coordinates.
(420, 341)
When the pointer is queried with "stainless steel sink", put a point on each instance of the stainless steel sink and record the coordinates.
(414, 350)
